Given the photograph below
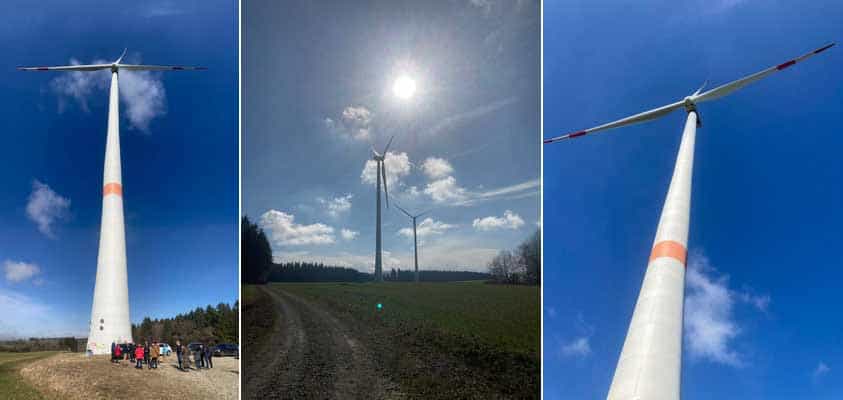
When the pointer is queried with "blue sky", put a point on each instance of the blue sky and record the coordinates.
(179, 151)
(318, 90)
(762, 307)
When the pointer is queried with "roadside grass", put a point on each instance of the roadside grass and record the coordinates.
(11, 383)
(463, 339)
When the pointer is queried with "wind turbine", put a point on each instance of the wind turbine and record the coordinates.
(415, 240)
(381, 172)
(110, 310)
(650, 361)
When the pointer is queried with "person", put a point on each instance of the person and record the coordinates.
(112, 351)
(197, 356)
(131, 355)
(139, 356)
(146, 353)
(178, 353)
(209, 354)
(186, 354)
(154, 352)
(117, 354)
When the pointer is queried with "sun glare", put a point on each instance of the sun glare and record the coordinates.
(404, 87)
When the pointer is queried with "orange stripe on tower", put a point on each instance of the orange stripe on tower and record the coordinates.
(112, 188)
(669, 248)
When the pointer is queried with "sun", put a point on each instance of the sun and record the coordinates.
(404, 87)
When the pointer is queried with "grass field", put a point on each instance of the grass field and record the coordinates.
(11, 383)
(460, 338)
(501, 316)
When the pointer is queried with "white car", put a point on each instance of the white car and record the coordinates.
(165, 349)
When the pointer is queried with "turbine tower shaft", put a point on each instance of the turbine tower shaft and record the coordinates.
(378, 246)
(110, 310)
(416, 249)
(650, 362)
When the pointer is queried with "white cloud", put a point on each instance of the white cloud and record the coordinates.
(711, 326)
(45, 207)
(142, 92)
(355, 122)
(821, 369)
(579, 347)
(445, 189)
(17, 271)
(484, 5)
(282, 230)
(348, 234)
(162, 9)
(337, 205)
(412, 192)
(436, 168)
(509, 220)
(463, 117)
(397, 167)
(427, 227)
(761, 302)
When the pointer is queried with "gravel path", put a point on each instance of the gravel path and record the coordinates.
(76, 377)
(312, 355)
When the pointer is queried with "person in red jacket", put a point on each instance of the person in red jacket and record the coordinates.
(139, 356)
(118, 352)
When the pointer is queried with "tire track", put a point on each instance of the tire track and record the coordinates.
(313, 355)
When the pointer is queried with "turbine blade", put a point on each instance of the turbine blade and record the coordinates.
(385, 149)
(403, 210)
(121, 56)
(88, 67)
(634, 119)
(138, 67)
(385, 189)
(730, 87)
(701, 88)
(375, 152)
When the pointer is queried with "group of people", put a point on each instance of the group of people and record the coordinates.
(139, 354)
(194, 356)
(199, 355)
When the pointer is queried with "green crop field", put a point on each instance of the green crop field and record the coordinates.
(10, 380)
(502, 316)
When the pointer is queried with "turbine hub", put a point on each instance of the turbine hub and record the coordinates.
(690, 105)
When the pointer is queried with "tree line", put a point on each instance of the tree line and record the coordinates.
(258, 267)
(519, 266)
(42, 344)
(218, 324)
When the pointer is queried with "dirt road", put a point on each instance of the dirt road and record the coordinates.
(310, 354)
(75, 376)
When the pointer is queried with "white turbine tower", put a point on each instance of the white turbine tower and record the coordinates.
(650, 361)
(380, 159)
(110, 310)
(415, 240)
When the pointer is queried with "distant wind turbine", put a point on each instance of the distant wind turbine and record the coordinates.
(650, 361)
(415, 240)
(380, 159)
(110, 311)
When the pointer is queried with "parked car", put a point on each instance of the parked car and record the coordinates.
(194, 347)
(227, 349)
(165, 349)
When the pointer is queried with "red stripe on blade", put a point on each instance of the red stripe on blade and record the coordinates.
(42, 68)
(577, 134)
(785, 65)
